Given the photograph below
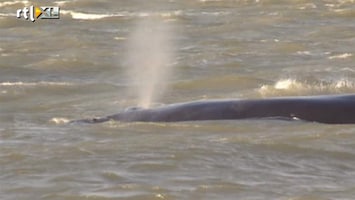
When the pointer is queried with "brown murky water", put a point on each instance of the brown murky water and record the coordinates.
(76, 66)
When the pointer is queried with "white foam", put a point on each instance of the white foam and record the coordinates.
(304, 53)
(7, 15)
(120, 38)
(344, 83)
(308, 6)
(59, 120)
(9, 3)
(92, 16)
(340, 56)
(42, 83)
(205, 1)
(296, 87)
(287, 84)
(86, 16)
(60, 3)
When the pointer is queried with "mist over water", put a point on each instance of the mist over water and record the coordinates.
(149, 55)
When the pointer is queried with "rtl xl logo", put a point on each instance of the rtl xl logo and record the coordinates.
(43, 12)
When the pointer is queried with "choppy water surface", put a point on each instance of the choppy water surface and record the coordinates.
(74, 67)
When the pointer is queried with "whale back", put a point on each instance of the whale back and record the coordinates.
(324, 109)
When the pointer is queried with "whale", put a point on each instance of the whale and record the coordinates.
(329, 109)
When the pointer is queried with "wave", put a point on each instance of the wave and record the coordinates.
(85, 16)
(10, 3)
(60, 3)
(41, 83)
(26, 3)
(286, 87)
(340, 56)
(92, 16)
(7, 15)
(59, 120)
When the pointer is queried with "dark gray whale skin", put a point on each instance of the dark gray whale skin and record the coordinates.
(331, 109)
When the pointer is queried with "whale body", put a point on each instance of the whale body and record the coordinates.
(331, 109)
